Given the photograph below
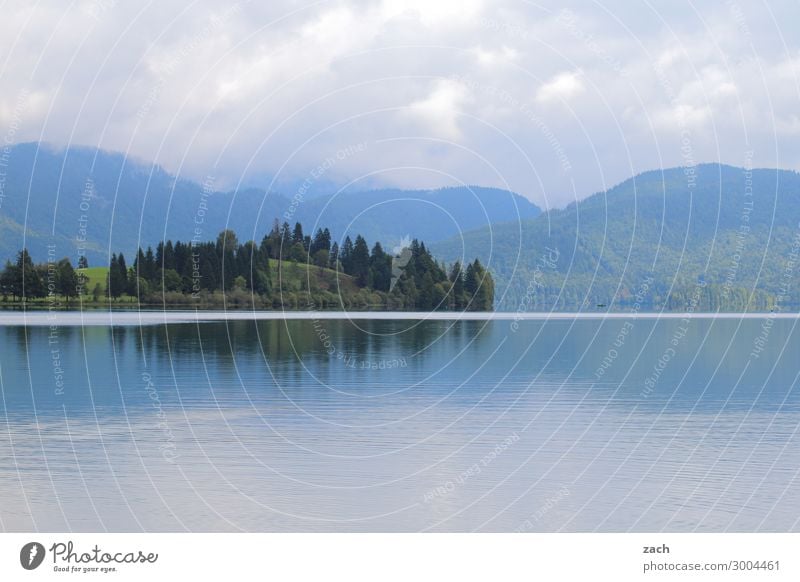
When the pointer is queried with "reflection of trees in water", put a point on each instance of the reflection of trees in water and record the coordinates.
(20, 336)
(105, 367)
(101, 364)
(316, 341)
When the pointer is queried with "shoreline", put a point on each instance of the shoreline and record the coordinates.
(44, 318)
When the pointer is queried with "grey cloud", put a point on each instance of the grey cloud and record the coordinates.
(553, 101)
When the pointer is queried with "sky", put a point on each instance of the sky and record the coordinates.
(554, 100)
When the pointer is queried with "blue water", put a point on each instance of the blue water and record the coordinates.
(400, 425)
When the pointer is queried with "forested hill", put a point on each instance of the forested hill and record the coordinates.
(287, 269)
(704, 238)
(92, 202)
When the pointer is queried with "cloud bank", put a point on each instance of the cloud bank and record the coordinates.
(555, 101)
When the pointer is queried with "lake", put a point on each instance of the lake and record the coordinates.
(325, 423)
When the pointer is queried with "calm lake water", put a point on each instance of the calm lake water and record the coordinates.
(402, 425)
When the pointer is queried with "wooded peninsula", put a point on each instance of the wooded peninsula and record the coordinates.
(288, 269)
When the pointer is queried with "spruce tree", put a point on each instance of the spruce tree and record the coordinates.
(360, 261)
(346, 256)
(457, 289)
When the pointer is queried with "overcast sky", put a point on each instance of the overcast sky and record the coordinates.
(553, 100)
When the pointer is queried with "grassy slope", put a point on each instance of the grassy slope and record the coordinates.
(96, 275)
(295, 275)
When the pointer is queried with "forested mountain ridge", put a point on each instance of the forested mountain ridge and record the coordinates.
(703, 238)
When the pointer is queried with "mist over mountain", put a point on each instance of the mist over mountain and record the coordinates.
(702, 238)
(98, 202)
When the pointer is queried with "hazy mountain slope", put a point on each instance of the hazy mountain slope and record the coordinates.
(430, 215)
(59, 196)
(708, 240)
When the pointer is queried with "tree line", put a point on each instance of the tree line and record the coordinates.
(22, 279)
(288, 269)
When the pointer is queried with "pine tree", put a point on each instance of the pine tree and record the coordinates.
(150, 268)
(297, 235)
(286, 240)
(334, 256)
(322, 241)
(360, 261)
(346, 256)
(117, 282)
(169, 254)
(380, 269)
(457, 289)
(28, 282)
(471, 283)
(479, 287)
(112, 282)
(122, 273)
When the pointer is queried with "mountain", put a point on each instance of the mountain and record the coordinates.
(84, 197)
(430, 215)
(87, 199)
(700, 238)
(703, 238)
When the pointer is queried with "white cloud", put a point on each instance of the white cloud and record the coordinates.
(431, 14)
(495, 57)
(562, 87)
(440, 110)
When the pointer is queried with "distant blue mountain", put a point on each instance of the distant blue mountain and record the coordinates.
(430, 215)
(107, 202)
